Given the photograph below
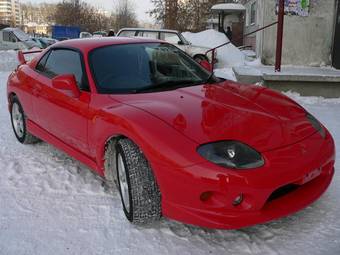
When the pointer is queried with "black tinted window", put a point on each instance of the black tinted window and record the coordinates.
(66, 62)
(134, 67)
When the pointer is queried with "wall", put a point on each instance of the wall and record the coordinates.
(307, 40)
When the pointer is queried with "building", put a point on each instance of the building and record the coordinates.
(311, 33)
(10, 12)
(228, 15)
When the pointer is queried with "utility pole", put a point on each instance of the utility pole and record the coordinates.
(279, 40)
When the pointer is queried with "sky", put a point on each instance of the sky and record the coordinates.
(141, 6)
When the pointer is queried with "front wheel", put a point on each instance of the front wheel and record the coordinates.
(140, 195)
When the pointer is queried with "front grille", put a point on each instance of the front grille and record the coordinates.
(280, 192)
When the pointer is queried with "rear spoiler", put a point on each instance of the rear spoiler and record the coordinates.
(21, 55)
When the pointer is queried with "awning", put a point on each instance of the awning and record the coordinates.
(228, 8)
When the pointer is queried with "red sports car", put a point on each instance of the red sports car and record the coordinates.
(176, 140)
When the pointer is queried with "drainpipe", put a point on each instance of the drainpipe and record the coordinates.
(279, 40)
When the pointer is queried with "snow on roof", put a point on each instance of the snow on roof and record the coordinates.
(228, 7)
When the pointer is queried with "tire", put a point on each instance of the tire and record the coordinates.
(18, 120)
(140, 195)
(199, 58)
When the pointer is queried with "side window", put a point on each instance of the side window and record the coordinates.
(170, 38)
(127, 33)
(6, 36)
(62, 61)
(41, 65)
(148, 34)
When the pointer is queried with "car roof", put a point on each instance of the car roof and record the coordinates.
(88, 44)
(148, 29)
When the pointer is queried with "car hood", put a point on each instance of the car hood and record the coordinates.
(254, 115)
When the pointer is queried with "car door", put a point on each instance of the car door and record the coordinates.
(58, 113)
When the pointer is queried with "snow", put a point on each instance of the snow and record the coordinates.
(52, 204)
(228, 7)
(228, 55)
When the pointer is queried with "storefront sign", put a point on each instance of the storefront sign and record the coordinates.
(295, 7)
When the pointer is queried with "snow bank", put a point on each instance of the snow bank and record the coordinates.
(228, 56)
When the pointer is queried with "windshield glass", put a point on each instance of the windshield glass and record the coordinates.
(134, 68)
(21, 35)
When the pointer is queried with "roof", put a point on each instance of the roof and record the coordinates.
(88, 44)
(228, 7)
(148, 29)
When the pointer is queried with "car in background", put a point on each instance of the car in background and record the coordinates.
(16, 39)
(44, 42)
(84, 35)
(99, 34)
(171, 36)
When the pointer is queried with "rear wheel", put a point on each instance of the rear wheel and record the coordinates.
(140, 195)
(19, 123)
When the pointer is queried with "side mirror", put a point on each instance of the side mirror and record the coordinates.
(206, 65)
(180, 43)
(68, 83)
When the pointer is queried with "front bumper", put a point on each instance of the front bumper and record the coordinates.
(182, 188)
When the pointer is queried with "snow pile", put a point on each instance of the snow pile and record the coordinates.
(228, 55)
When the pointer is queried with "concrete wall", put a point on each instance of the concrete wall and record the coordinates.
(307, 40)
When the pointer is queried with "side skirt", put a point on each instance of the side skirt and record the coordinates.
(37, 131)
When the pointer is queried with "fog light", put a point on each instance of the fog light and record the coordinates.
(238, 200)
(206, 195)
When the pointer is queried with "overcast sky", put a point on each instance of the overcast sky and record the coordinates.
(141, 6)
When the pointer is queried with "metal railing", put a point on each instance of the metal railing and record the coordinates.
(213, 50)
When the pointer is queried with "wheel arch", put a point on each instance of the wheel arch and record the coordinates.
(109, 164)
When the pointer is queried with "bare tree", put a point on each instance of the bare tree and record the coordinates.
(79, 13)
(124, 14)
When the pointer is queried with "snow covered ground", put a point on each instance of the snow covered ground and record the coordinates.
(52, 204)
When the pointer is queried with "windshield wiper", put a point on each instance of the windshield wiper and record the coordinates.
(168, 85)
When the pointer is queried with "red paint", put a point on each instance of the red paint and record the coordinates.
(169, 126)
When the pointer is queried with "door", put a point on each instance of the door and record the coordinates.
(59, 114)
(237, 28)
(336, 42)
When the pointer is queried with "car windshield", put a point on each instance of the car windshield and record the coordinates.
(150, 67)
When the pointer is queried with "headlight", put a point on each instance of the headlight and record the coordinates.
(231, 154)
(316, 124)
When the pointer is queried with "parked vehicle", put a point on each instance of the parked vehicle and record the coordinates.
(176, 140)
(44, 42)
(85, 35)
(171, 36)
(63, 32)
(16, 39)
(99, 34)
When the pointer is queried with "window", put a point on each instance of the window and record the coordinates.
(148, 34)
(253, 13)
(5, 36)
(63, 61)
(135, 67)
(170, 38)
(9, 37)
(41, 65)
(127, 33)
